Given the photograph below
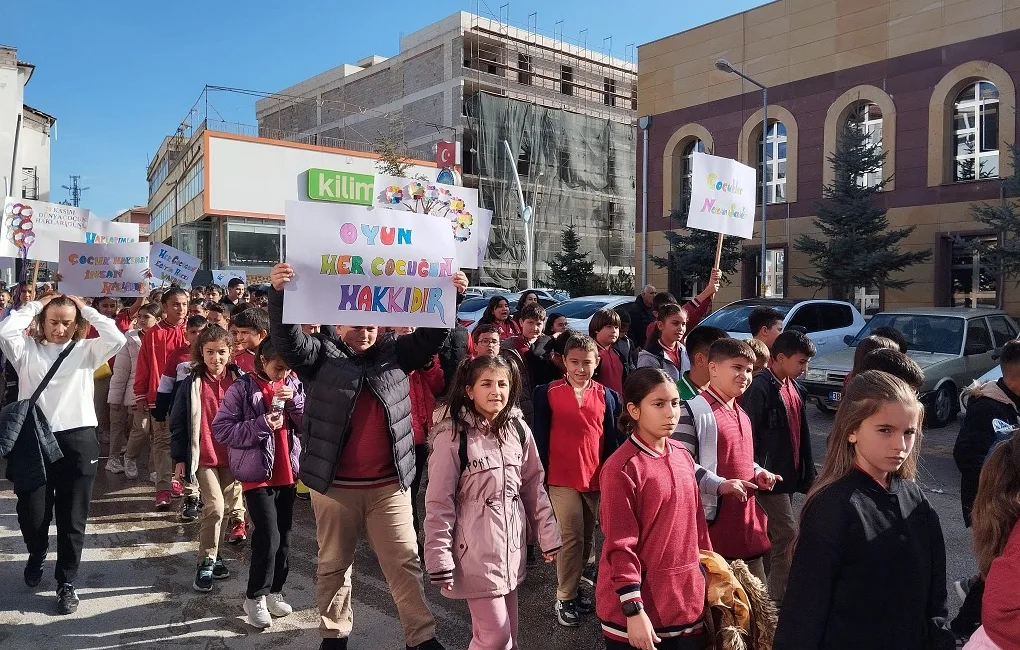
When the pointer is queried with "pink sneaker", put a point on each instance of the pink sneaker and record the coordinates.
(238, 533)
(163, 500)
(176, 489)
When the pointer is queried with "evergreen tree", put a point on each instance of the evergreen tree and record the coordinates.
(571, 269)
(855, 247)
(1001, 255)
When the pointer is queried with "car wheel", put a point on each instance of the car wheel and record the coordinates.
(944, 406)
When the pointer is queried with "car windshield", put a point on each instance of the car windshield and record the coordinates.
(473, 304)
(580, 308)
(924, 332)
(734, 317)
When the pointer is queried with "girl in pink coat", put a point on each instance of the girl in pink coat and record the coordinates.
(486, 485)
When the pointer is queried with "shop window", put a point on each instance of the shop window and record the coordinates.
(252, 245)
(976, 132)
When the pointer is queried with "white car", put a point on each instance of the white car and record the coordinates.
(826, 322)
(580, 310)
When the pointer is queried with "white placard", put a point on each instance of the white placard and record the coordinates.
(723, 196)
(223, 276)
(361, 266)
(458, 205)
(117, 270)
(101, 231)
(484, 228)
(171, 266)
(40, 227)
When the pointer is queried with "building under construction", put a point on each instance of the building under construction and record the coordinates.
(566, 109)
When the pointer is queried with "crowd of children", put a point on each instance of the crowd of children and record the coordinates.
(676, 447)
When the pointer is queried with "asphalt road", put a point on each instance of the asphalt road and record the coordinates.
(138, 565)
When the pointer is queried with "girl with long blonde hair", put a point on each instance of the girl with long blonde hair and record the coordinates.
(869, 569)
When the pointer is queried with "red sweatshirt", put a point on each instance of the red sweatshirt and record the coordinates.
(575, 435)
(426, 385)
(1000, 606)
(283, 473)
(157, 345)
(654, 526)
(366, 461)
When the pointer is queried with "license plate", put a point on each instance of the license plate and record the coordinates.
(835, 396)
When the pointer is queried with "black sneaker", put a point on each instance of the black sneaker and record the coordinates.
(590, 574)
(333, 644)
(67, 600)
(191, 509)
(431, 644)
(33, 569)
(220, 570)
(584, 603)
(566, 613)
(204, 575)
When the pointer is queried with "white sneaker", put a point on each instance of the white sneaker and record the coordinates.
(114, 466)
(258, 615)
(130, 468)
(277, 605)
(152, 476)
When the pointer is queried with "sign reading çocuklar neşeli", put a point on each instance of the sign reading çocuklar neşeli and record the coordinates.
(723, 196)
(340, 187)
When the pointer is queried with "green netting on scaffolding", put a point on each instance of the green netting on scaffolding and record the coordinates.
(575, 169)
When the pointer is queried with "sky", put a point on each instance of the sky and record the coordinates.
(120, 76)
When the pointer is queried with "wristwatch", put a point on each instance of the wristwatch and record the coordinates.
(632, 608)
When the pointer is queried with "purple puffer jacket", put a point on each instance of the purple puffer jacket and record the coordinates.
(240, 424)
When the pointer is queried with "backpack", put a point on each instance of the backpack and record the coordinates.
(463, 442)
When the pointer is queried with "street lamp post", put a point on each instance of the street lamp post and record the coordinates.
(726, 66)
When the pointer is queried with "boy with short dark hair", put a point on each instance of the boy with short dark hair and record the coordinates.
(776, 406)
(893, 335)
(486, 340)
(765, 324)
(717, 432)
(251, 327)
(575, 432)
(235, 292)
(699, 340)
(197, 308)
(213, 293)
(604, 329)
(216, 314)
(896, 364)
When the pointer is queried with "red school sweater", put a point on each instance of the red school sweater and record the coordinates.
(575, 436)
(157, 344)
(283, 473)
(1000, 605)
(654, 527)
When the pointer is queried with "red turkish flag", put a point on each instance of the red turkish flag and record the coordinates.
(446, 153)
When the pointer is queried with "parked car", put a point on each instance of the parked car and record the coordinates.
(952, 346)
(826, 322)
(552, 294)
(474, 306)
(580, 310)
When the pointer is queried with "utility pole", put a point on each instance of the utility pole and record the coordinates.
(75, 190)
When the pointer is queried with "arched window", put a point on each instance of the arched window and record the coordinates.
(775, 169)
(867, 116)
(976, 132)
(687, 170)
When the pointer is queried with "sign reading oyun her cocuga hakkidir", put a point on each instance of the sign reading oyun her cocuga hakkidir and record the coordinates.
(723, 196)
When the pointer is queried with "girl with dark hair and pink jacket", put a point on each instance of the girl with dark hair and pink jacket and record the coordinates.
(486, 485)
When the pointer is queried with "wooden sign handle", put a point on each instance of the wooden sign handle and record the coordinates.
(35, 272)
(718, 251)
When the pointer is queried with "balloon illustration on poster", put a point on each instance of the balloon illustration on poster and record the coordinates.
(19, 225)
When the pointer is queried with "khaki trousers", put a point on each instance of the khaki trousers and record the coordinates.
(219, 488)
(384, 514)
(782, 531)
(160, 454)
(99, 397)
(140, 435)
(576, 513)
(121, 423)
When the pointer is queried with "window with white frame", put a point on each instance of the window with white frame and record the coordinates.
(976, 132)
(867, 117)
(774, 153)
(687, 170)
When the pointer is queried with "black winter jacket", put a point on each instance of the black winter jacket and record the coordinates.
(985, 403)
(183, 437)
(453, 351)
(333, 376)
(640, 318)
(770, 424)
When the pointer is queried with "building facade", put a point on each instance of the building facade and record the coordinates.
(137, 215)
(933, 81)
(567, 111)
(24, 132)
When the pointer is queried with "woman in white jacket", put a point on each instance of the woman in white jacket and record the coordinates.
(129, 425)
(67, 402)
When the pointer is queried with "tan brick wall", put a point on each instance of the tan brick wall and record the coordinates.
(789, 40)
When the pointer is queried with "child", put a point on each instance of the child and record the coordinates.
(696, 309)
(198, 456)
(197, 307)
(555, 324)
(869, 569)
(664, 350)
(251, 327)
(651, 590)
(718, 434)
(486, 340)
(216, 314)
(259, 420)
(698, 343)
(213, 293)
(129, 427)
(157, 345)
(866, 346)
(761, 353)
(765, 324)
(896, 364)
(497, 313)
(485, 486)
(776, 407)
(997, 547)
(575, 432)
(235, 292)
(604, 328)
(624, 346)
(107, 306)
